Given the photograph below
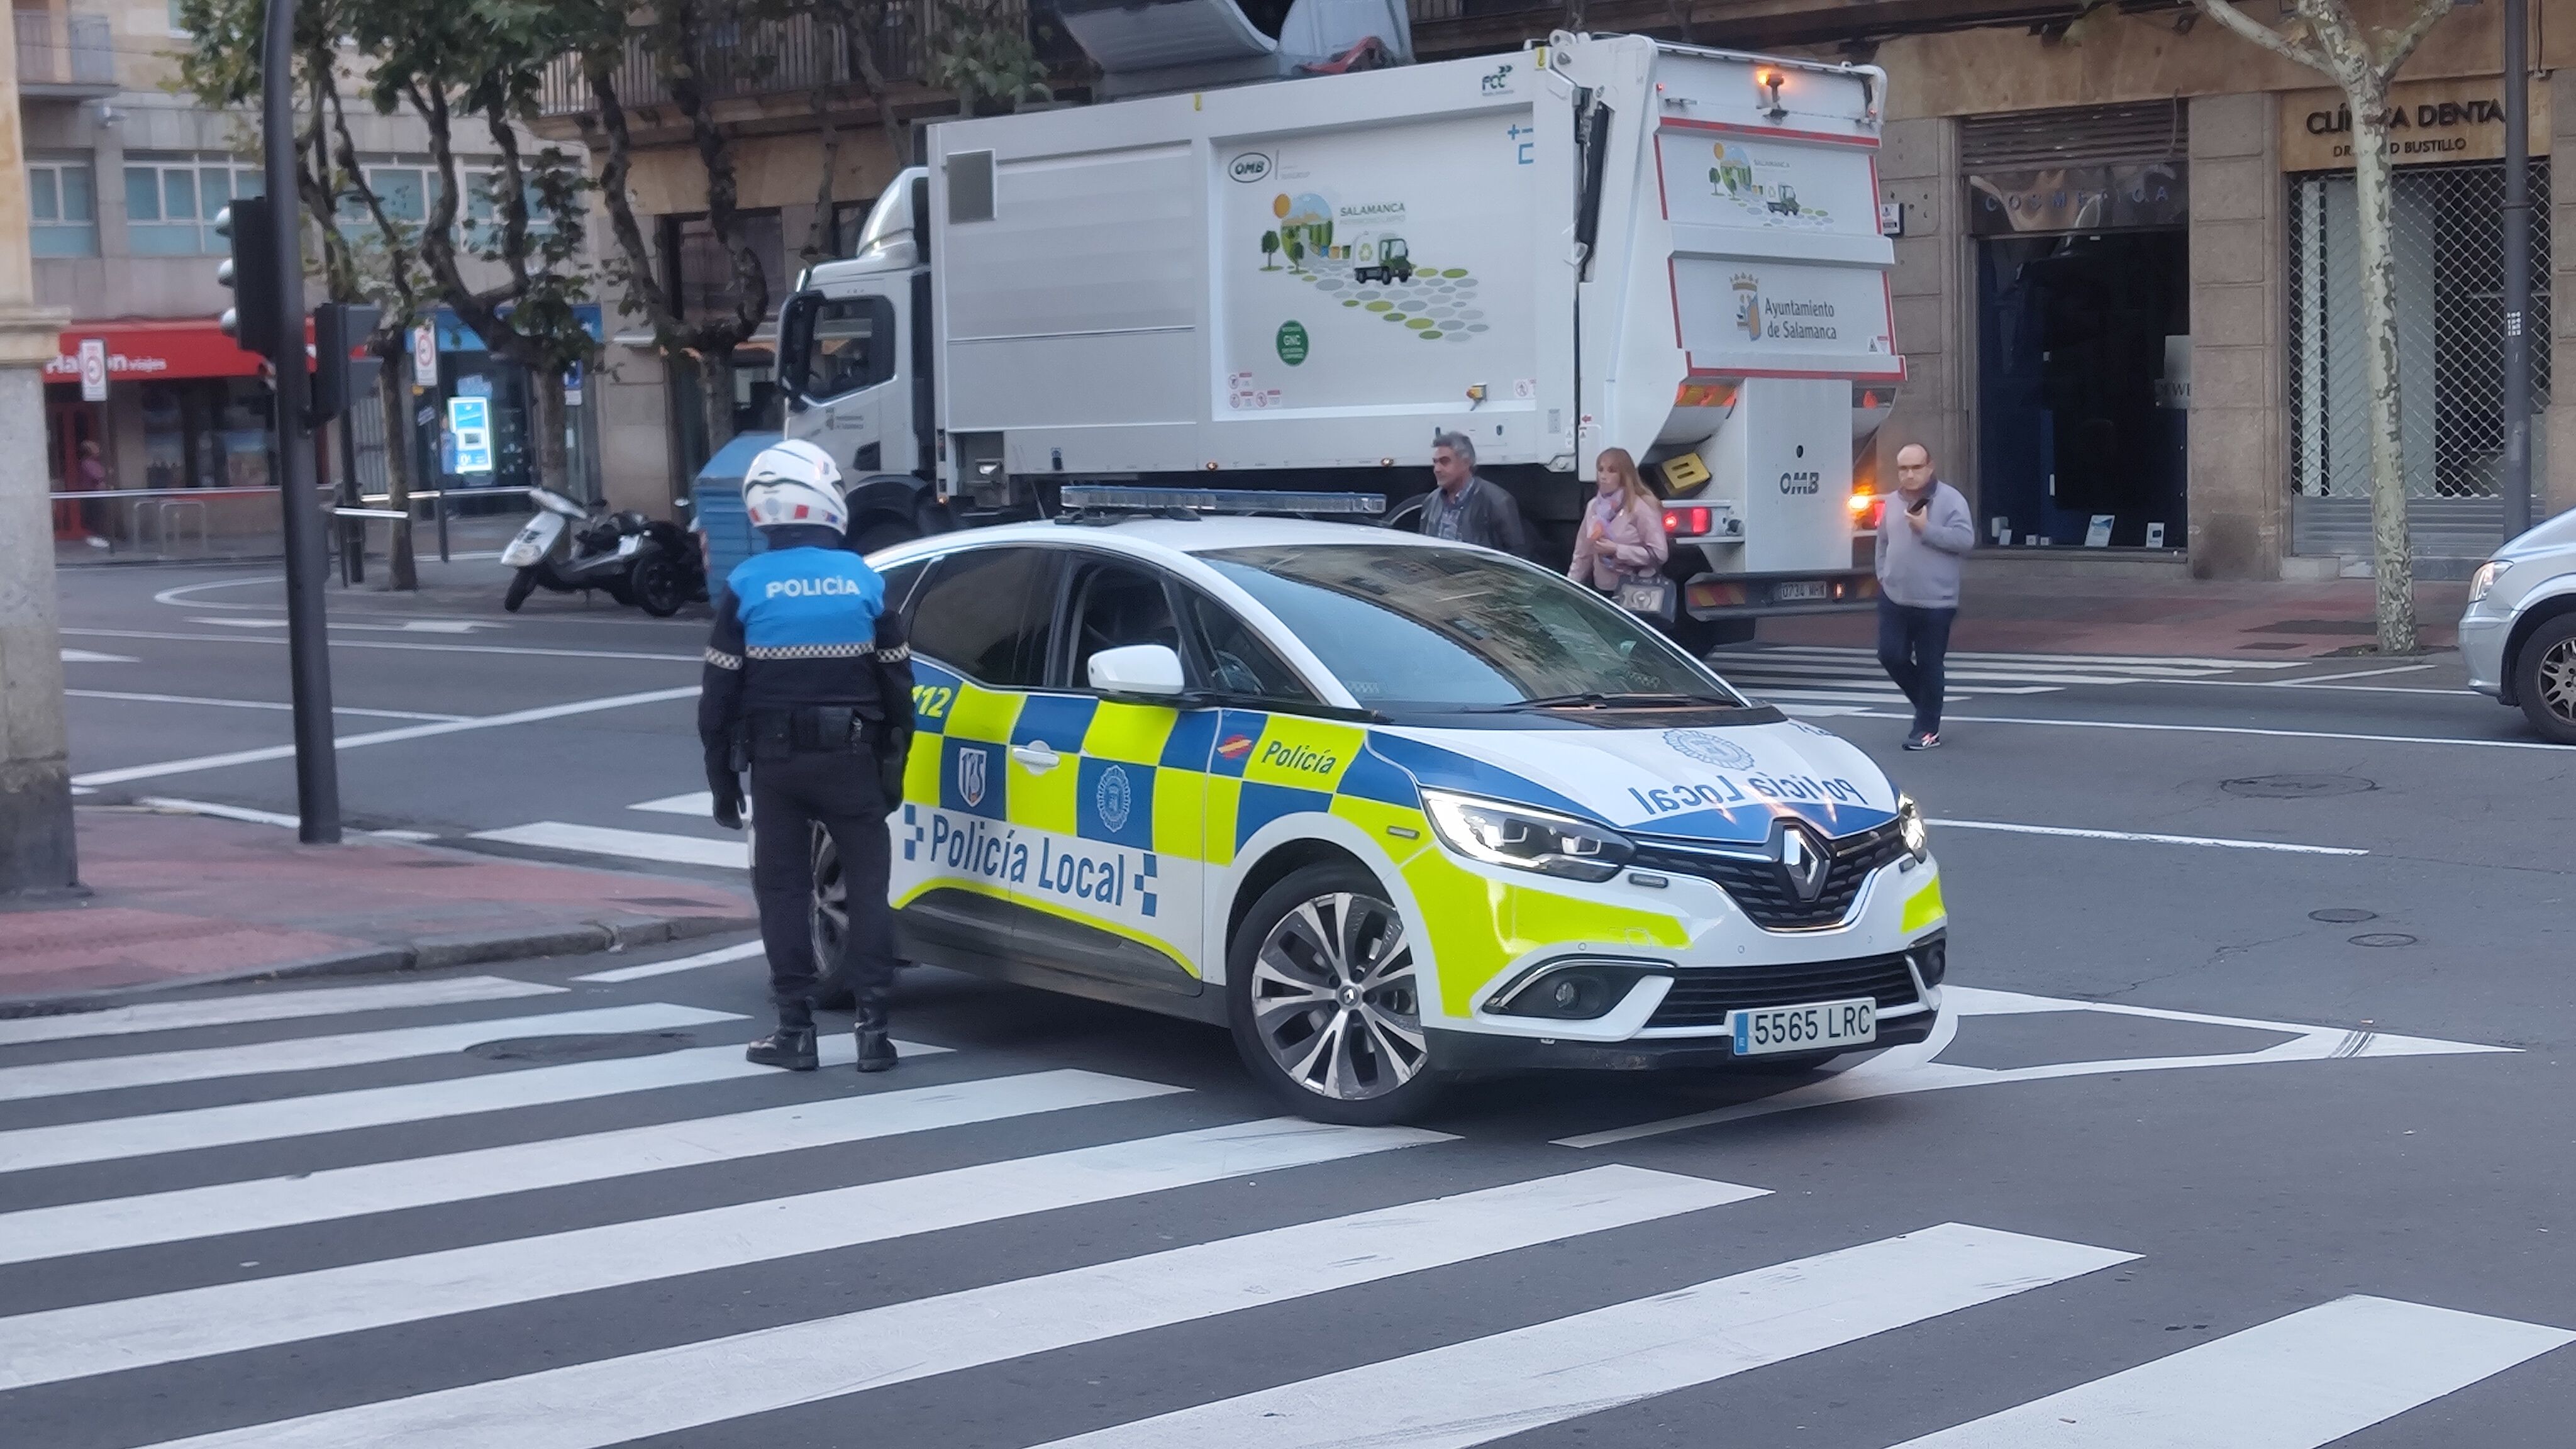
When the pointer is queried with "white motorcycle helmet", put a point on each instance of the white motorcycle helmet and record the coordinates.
(794, 483)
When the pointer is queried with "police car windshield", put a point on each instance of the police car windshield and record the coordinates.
(1431, 629)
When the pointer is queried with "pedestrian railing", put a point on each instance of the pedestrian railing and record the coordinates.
(179, 525)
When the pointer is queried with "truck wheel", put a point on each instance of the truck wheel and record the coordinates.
(522, 584)
(2544, 679)
(1322, 993)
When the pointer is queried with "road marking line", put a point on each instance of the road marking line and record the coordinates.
(2057, 675)
(267, 704)
(722, 954)
(1902, 1071)
(531, 651)
(632, 844)
(2293, 1383)
(221, 812)
(1510, 1383)
(2210, 840)
(2354, 674)
(122, 1334)
(306, 1054)
(408, 626)
(697, 804)
(274, 1006)
(672, 1390)
(2114, 724)
(385, 737)
(86, 656)
(113, 1139)
(170, 598)
(2063, 660)
(412, 1182)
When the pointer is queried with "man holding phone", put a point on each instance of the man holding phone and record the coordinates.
(1919, 550)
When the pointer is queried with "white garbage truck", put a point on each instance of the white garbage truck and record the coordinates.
(1294, 281)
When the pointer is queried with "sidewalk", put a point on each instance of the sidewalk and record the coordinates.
(2010, 606)
(181, 898)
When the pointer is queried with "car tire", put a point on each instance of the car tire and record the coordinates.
(522, 584)
(1337, 1039)
(2544, 679)
(829, 925)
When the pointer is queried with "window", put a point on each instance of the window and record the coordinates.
(1439, 629)
(837, 345)
(1238, 663)
(62, 212)
(403, 191)
(170, 206)
(1117, 605)
(483, 219)
(702, 269)
(984, 613)
(900, 580)
(178, 17)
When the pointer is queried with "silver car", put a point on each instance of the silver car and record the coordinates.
(2519, 634)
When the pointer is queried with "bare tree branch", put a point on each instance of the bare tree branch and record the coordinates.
(2226, 13)
(2391, 60)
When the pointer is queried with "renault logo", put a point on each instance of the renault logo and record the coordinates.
(1805, 862)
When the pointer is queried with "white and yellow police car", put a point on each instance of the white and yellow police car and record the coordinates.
(1388, 808)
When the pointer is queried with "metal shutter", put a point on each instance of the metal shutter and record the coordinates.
(2081, 136)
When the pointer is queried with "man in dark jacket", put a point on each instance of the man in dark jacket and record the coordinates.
(808, 682)
(1465, 508)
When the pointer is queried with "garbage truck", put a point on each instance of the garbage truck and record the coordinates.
(1257, 270)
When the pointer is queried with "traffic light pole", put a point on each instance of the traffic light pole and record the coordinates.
(317, 767)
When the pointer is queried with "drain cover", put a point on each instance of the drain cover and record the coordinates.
(2383, 938)
(2295, 787)
(2342, 915)
(581, 1048)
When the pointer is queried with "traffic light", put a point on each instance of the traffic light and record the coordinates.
(252, 319)
(338, 329)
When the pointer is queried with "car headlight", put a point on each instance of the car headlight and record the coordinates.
(1525, 839)
(1910, 829)
(2486, 576)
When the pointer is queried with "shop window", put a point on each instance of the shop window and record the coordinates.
(170, 206)
(62, 211)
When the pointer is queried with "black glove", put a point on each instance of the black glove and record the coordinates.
(727, 787)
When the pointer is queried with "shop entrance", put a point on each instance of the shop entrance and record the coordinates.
(2084, 388)
(69, 422)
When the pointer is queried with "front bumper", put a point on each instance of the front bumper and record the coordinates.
(2482, 637)
(1478, 1052)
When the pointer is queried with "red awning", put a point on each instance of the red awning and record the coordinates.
(146, 350)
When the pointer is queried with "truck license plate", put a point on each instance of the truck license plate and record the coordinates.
(1817, 1026)
(1805, 589)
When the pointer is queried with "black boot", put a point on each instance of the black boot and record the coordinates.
(876, 1050)
(791, 1047)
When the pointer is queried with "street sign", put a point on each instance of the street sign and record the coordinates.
(572, 386)
(424, 356)
(93, 368)
(469, 424)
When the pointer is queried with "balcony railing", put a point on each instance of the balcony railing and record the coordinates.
(749, 58)
(66, 50)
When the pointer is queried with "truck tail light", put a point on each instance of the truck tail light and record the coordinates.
(1686, 522)
(1867, 509)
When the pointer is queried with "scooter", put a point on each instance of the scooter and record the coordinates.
(635, 560)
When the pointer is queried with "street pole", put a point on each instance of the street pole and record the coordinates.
(317, 767)
(2516, 482)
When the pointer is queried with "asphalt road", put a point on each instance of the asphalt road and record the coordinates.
(2320, 1094)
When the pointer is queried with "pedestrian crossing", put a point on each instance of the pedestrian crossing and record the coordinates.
(962, 1216)
(1817, 679)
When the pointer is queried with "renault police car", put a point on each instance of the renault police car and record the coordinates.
(1388, 808)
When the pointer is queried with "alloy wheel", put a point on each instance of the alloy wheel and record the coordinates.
(2557, 679)
(831, 913)
(1333, 998)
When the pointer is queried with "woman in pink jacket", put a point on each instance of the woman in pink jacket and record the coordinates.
(1622, 533)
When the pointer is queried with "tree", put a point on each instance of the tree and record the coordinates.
(479, 59)
(1296, 252)
(1269, 249)
(2325, 35)
(981, 51)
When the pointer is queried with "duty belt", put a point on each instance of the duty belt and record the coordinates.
(818, 728)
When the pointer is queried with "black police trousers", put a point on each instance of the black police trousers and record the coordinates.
(791, 794)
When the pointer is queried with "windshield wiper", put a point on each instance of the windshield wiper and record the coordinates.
(1595, 699)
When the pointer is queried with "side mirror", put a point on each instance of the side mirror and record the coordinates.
(1147, 669)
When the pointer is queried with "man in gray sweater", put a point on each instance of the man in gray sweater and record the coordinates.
(1923, 535)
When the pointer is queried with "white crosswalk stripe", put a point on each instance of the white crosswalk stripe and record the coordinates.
(284, 1006)
(498, 1269)
(1826, 676)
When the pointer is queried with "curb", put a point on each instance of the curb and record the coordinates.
(427, 953)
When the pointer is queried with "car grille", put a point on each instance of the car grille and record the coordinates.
(1704, 997)
(1761, 888)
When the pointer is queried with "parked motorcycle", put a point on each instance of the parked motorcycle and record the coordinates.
(639, 561)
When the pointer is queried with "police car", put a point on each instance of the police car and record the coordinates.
(1389, 809)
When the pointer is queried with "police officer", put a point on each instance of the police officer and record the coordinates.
(808, 682)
